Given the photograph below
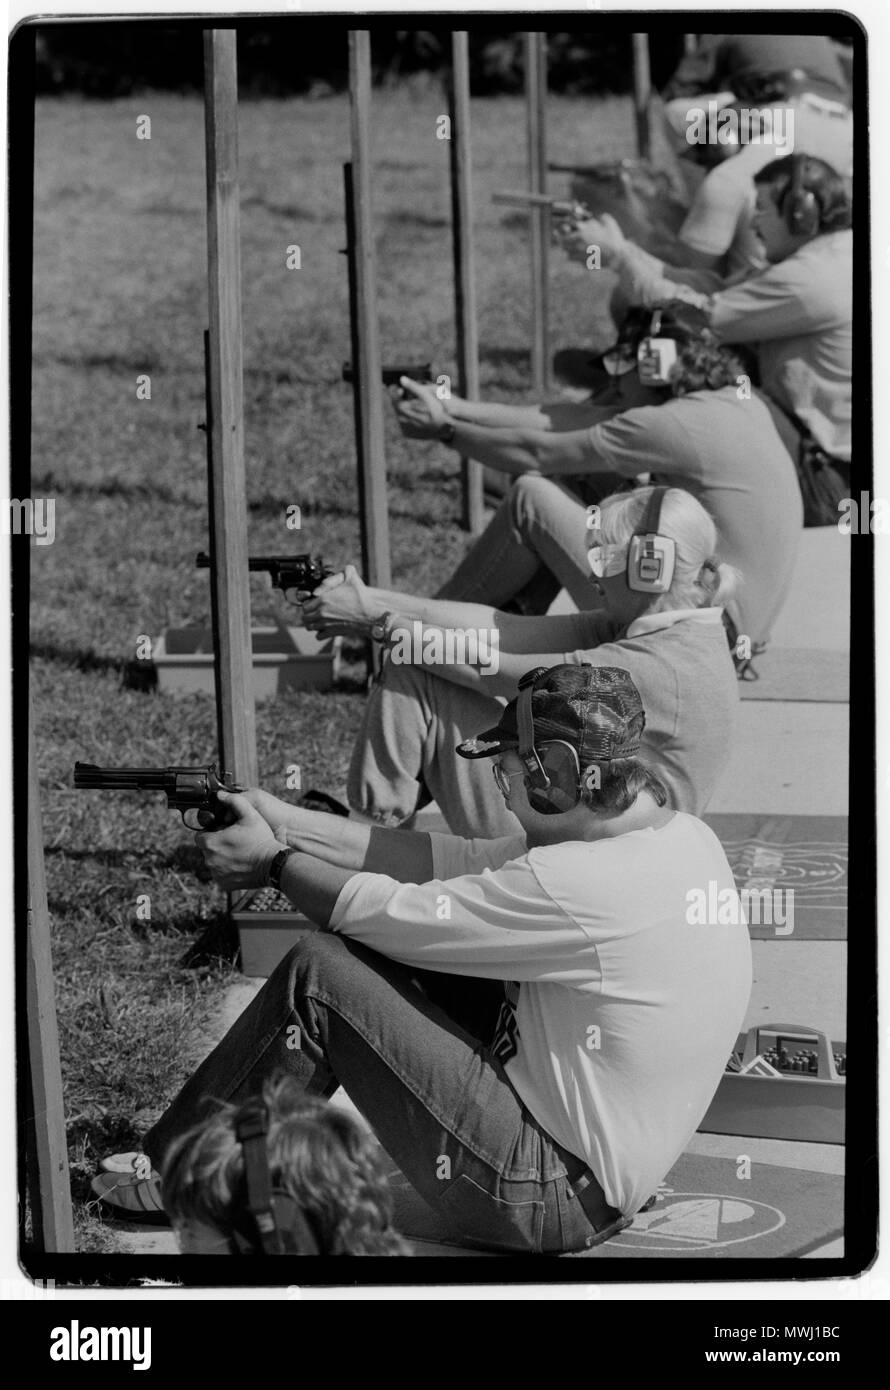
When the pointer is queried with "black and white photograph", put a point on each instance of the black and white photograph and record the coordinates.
(439, 504)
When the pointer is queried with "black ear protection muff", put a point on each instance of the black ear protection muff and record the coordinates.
(800, 207)
(274, 1224)
(548, 791)
(651, 557)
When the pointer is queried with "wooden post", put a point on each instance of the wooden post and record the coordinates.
(49, 1190)
(228, 508)
(539, 218)
(467, 331)
(642, 93)
(366, 346)
(690, 43)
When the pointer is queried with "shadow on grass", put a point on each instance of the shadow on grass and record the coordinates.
(135, 675)
(124, 488)
(218, 943)
(492, 356)
(185, 858)
(289, 210)
(405, 218)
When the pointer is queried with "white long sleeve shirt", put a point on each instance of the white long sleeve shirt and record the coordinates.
(626, 1011)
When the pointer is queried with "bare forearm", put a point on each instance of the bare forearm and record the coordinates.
(494, 415)
(512, 450)
(516, 644)
(347, 844)
(435, 611)
(313, 886)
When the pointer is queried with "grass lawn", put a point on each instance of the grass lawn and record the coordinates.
(120, 290)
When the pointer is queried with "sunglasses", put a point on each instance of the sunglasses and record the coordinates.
(560, 762)
(606, 561)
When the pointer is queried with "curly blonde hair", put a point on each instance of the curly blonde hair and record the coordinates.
(317, 1154)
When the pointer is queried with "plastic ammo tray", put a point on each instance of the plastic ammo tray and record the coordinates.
(268, 926)
(782, 1081)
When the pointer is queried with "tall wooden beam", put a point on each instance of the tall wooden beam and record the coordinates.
(539, 217)
(366, 353)
(642, 93)
(228, 510)
(467, 330)
(49, 1190)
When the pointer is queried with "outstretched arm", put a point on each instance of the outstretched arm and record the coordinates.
(405, 855)
(519, 448)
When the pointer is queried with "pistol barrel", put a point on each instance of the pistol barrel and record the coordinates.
(87, 776)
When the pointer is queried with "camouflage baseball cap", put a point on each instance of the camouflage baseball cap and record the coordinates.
(596, 709)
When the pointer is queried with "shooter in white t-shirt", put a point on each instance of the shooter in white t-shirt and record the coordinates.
(588, 1013)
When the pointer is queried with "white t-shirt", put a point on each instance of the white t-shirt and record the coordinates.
(720, 220)
(626, 1012)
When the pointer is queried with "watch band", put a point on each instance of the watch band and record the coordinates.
(276, 868)
(447, 432)
(380, 628)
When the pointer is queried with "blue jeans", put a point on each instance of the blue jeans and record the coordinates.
(540, 523)
(420, 1073)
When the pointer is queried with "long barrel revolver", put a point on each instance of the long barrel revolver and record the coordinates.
(186, 788)
(287, 572)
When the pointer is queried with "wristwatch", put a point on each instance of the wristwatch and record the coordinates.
(277, 866)
(379, 628)
(446, 432)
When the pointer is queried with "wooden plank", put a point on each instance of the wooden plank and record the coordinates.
(642, 93)
(366, 350)
(467, 329)
(231, 590)
(539, 217)
(49, 1188)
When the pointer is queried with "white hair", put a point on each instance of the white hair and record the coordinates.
(700, 580)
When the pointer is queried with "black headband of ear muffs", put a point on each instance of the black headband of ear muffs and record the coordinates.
(652, 515)
(277, 1223)
(525, 726)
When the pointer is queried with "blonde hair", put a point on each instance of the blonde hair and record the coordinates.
(700, 580)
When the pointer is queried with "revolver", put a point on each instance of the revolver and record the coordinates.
(186, 788)
(286, 571)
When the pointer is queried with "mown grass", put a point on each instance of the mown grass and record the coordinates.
(120, 290)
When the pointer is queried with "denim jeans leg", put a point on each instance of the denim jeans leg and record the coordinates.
(552, 521)
(497, 565)
(440, 1105)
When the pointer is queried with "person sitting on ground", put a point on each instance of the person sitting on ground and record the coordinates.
(673, 642)
(314, 1185)
(797, 313)
(536, 1117)
(703, 429)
